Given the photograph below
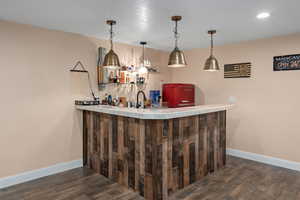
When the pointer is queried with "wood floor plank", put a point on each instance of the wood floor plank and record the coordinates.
(239, 180)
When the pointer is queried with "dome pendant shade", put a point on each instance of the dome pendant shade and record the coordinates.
(211, 63)
(111, 60)
(177, 58)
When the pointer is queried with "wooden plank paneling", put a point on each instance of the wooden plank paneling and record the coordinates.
(154, 157)
(96, 142)
(186, 163)
(125, 152)
(165, 169)
(170, 184)
(223, 137)
(120, 140)
(192, 163)
(115, 133)
(149, 187)
(148, 147)
(158, 172)
(141, 135)
(85, 137)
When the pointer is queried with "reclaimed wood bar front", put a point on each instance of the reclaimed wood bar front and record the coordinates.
(155, 157)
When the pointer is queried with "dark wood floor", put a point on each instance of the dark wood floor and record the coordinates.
(241, 179)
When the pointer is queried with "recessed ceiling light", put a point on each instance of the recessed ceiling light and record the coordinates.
(263, 15)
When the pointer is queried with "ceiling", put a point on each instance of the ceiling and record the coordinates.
(149, 20)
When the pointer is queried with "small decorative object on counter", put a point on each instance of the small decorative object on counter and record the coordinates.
(179, 94)
(115, 102)
(109, 100)
(86, 102)
(154, 96)
(122, 101)
(148, 103)
(105, 100)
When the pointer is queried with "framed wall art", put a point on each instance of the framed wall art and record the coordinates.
(288, 62)
(237, 70)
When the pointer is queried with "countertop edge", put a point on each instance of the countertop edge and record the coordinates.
(155, 114)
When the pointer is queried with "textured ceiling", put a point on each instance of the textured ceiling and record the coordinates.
(149, 20)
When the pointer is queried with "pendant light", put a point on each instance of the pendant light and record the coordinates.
(143, 69)
(211, 63)
(111, 59)
(176, 58)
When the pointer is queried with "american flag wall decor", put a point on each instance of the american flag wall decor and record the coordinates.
(238, 70)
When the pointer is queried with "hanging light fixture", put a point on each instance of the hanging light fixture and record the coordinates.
(143, 69)
(111, 59)
(211, 63)
(176, 58)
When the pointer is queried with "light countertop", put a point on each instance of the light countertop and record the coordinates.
(156, 113)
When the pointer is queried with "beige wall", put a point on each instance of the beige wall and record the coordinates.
(265, 119)
(39, 126)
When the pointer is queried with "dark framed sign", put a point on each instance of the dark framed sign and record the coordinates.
(288, 62)
(237, 70)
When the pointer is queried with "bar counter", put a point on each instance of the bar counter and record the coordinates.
(154, 151)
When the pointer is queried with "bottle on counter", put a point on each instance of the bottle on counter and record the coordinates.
(122, 77)
(131, 99)
(127, 78)
(160, 101)
(105, 100)
(109, 100)
(111, 76)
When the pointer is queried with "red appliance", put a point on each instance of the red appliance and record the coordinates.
(179, 95)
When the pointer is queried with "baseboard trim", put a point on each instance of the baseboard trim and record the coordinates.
(264, 159)
(39, 173)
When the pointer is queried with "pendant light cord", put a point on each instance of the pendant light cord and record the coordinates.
(176, 35)
(143, 86)
(211, 44)
(143, 55)
(111, 36)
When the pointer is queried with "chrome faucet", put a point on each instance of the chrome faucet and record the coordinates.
(138, 105)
